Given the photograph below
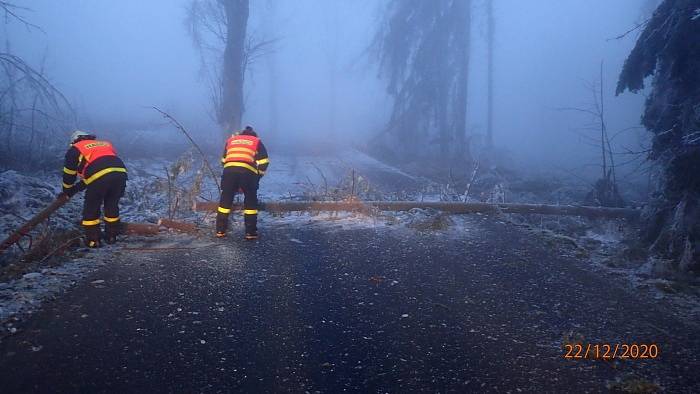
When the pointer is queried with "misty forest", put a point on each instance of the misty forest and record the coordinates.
(350, 196)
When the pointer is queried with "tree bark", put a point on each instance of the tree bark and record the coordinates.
(179, 226)
(33, 222)
(233, 73)
(128, 228)
(140, 228)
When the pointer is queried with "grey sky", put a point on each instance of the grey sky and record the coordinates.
(115, 58)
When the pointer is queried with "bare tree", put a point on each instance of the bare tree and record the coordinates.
(29, 103)
(231, 110)
(219, 29)
(605, 190)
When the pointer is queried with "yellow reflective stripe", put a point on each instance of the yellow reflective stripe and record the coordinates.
(100, 173)
(224, 210)
(263, 161)
(240, 156)
(69, 171)
(66, 186)
(239, 164)
(240, 149)
(250, 211)
(111, 220)
(91, 222)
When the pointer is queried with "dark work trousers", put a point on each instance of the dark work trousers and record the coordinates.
(106, 190)
(235, 178)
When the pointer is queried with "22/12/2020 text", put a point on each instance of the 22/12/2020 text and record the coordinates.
(607, 351)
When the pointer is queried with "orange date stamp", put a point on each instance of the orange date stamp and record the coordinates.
(611, 351)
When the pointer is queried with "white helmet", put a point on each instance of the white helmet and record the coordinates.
(77, 134)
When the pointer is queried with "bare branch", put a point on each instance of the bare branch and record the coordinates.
(587, 111)
(11, 12)
(637, 27)
(180, 127)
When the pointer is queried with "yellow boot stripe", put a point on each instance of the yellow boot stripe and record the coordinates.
(66, 186)
(111, 220)
(224, 210)
(91, 222)
(250, 211)
(69, 171)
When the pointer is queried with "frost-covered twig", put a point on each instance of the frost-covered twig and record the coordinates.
(325, 181)
(179, 126)
(637, 27)
(471, 181)
(60, 248)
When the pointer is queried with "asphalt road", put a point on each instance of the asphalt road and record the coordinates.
(371, 310)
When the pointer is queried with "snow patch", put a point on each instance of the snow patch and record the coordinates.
(24, 296)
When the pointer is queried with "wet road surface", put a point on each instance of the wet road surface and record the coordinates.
(373, 310)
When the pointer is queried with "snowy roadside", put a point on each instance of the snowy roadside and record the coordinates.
(156, 189)
(23, 296)
(161, 188)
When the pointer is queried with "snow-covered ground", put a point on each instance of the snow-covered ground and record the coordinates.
(160, 188)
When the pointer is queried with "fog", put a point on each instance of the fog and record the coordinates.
(116, 59)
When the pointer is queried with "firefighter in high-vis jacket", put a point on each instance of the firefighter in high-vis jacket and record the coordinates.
(245, 162)
(103, 176)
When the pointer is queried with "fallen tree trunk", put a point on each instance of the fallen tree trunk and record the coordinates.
(15, 237)
(33, 222)
(179, 226)
(140, 228)
(450, 207)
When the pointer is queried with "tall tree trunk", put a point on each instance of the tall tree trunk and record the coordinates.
(489, 72)
(462, 15)
(233, 72)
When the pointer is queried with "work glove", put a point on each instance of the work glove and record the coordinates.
(71, 191)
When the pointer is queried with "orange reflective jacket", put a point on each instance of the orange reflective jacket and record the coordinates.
(91, 150)
(242, 149)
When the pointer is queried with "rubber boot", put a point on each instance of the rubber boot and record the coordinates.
(221, 224)
(112, 229)
(92, 236)
(251, 226)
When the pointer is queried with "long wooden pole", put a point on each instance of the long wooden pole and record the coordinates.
(451, 207)
(16, 236)
(33, 222)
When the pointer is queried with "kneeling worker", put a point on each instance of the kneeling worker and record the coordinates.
(245, 162)
(103, 174)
